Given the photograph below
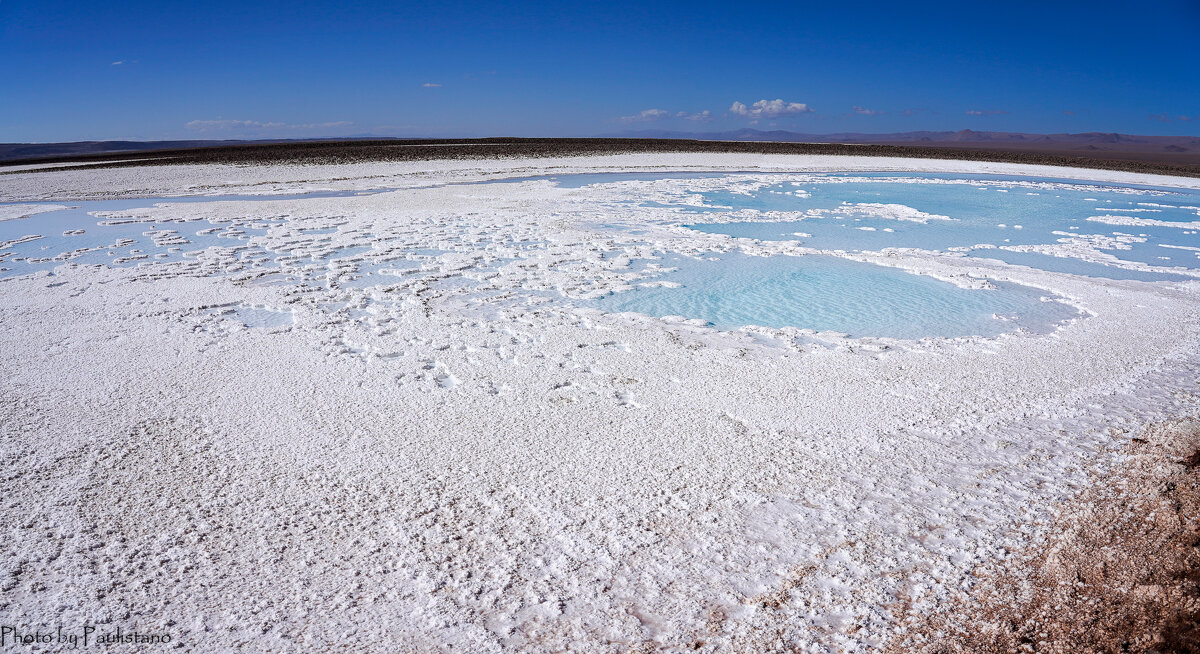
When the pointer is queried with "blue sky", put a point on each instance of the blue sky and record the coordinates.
(136, 69)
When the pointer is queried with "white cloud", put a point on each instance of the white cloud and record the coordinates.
(769, 109)
(985, 112)
(863, 111)
(117, 63)
(431, 85)
(700, 117)
(254, 125)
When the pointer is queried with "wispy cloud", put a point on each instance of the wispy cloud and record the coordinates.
(863, 111)
(645, 116)
(254, 125)
(986, 112)
(769, 109)
(117, 63)
(651, 115)
(1164, 118)
(431, 85)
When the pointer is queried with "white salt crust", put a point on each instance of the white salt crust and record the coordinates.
(1144, 222)
(463, 460)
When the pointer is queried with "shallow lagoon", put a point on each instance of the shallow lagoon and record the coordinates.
(1035, 222)
(841, 213)
(827, 293)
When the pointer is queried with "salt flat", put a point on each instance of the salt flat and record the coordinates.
(244, 445)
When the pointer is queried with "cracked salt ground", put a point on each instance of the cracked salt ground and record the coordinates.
(478, 458)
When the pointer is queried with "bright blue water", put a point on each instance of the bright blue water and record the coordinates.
(982, 214)
(862, 299)
(830, 293)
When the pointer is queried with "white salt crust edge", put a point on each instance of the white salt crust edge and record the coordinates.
(19, 211)
(197, 179)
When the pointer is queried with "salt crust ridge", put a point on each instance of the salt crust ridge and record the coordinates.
(514, 472)
(1109, 219)
(18, 211)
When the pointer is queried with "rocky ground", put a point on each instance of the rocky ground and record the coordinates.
(1119, 573)
(342, 152)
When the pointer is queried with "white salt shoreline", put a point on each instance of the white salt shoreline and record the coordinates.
(588, 481)
(213, 179)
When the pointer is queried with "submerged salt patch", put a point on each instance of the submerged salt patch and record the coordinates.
(890, 212)
(19, 211)
(254, 316)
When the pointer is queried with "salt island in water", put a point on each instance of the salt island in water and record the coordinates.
(677, 402)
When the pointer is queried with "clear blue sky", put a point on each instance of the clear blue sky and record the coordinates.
(164, 69)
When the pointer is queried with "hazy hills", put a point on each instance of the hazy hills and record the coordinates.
(1099, 140)
(1185, 148)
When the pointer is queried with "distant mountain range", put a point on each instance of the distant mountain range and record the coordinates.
(1096, 145)
(15, 151)
(966, 137)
